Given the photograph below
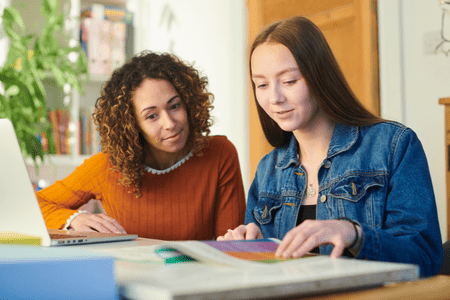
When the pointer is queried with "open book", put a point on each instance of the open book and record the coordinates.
(245, 253)
(240, 270)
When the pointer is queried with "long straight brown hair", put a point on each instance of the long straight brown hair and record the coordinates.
(322, 74)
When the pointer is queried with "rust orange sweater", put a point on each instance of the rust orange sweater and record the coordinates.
(199, 200)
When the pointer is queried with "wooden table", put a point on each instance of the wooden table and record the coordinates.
(434, 288)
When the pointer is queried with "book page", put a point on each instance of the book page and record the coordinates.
(141, 254)
(248, 253)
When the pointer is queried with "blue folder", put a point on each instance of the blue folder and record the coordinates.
(34, 272)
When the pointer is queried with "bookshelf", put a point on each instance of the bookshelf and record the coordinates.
(58, 166)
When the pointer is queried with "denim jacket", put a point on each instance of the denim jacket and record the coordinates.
(376, 175)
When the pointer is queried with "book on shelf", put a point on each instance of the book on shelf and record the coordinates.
(46, 139)
(104, 33)
(63, 117)
(111, 13)
(95, 11)
(88, 141)
(85, 131)
(34, 272)
(89, 136)
(43, 139)
(95, 41)
(118, 43)
(247, 269)
(55, 131)
(129, 41)
(60, 120)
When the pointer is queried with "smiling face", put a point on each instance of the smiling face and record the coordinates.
(162, 117)
(280, 88)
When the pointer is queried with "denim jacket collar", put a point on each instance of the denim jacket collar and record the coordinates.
(342, 139)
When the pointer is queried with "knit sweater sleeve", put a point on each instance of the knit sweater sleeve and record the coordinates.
(63, 198)
(230, 204)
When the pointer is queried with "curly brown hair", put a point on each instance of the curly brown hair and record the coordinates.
(114, 114)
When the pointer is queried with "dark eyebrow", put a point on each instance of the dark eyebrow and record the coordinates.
(279, 73)
(153, 107)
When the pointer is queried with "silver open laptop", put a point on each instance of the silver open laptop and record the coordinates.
(19, 208)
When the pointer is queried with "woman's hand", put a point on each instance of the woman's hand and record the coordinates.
(96, 222)
(313, 233)
(242, 232)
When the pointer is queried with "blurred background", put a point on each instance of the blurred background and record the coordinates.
(394, 53)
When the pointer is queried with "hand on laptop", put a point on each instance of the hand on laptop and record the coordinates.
(96, 222)
(242, 232)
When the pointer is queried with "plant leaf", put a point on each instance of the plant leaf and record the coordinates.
(49, 8)
(59, 76)
(10, 17)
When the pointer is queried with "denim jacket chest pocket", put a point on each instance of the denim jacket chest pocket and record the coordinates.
(359, 196)
(266, 208)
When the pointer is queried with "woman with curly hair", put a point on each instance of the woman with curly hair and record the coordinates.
(159, 174)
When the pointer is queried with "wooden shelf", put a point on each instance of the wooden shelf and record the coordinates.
(120, 3)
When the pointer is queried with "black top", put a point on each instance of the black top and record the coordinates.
(307, 212)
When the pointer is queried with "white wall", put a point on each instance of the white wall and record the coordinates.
(412, 81)
(4, 43)
(212, 35)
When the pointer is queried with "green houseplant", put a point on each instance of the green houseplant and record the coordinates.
(30, 60)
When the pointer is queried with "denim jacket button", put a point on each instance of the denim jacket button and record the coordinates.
(327, 164)
(323, 198)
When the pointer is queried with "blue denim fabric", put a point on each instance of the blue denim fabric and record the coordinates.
(376, 175)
